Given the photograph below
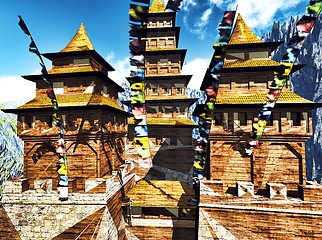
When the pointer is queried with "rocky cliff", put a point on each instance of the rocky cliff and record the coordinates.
(307, 83)
(11, 146)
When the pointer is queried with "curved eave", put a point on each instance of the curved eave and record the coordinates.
(271, 45)
(155, 52)
(91, 53)
(164, 101)
(99, 74)
(69, 108)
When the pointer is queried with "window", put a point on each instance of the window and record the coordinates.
(164, 70)
(242, 119)
(179, 88)
(104, 91)
(153, 43)
(58, 87)
(258, 54)
(235, 55)
(163, 61)
(167, 110)
(162, 43)
(170, 43)
(182, 111)
(270, 120)
(154, 91)
(296, 117)
(78, 62)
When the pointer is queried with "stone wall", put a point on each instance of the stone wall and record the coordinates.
(40, 215)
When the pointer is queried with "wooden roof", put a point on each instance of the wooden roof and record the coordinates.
(71, 101)
(79, 42)
(160, 194)
(285, 97)
(242, 34)
(157, 6)
(250, 63)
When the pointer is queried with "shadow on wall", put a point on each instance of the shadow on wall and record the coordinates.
(172, 163)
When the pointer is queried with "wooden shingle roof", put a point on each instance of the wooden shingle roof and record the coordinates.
(285, 97)
(250, 63)
(76, 100)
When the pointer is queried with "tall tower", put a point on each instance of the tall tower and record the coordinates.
(158, 204)
(266, 195)
(167, 106)
(94, 128)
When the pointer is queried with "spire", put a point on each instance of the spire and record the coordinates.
(157, 6)
(80, 41)
(242, 34)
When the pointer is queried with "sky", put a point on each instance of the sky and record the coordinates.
(54, 23)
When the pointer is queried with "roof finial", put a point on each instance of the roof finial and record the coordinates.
(157, 6)
(80, 41)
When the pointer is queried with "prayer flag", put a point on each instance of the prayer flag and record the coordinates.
(174, 5)
(138, 13)
(228, 18)
(305, 24)
(23, 26)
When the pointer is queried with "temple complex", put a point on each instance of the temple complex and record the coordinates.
(262, 196)
(158, 204)
(266, 195)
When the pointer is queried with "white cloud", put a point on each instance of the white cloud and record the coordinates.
(121, 66)
(188, 3)
(16, 88)
(219, 3)
(261, 13)
(197, 68)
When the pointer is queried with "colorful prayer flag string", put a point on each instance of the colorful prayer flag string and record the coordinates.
(61, 145)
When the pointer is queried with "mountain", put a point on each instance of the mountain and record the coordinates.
(307, 83)
(11, 146)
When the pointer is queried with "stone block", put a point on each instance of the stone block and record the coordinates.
(72, 185)
(92, 183)
(217, 186)
(310, 192)
(15, 186)
(245, 189)
(43, 185)
(276, 190)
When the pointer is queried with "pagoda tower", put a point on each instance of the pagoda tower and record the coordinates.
(95, 127)
(266, 195)
(167, 106)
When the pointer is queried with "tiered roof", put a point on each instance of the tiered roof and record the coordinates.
(71, 101)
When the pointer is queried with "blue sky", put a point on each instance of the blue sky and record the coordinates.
(54, 23)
